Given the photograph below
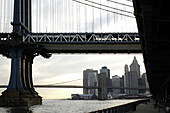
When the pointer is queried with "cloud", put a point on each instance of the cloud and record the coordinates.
(4, 70)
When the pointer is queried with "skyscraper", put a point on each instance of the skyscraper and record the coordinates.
(144, 82)
(107, 71)
(116, 83)
(131, 77)
(90, 79)
(135, 75)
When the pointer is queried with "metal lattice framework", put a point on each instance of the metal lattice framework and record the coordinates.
(81, 37)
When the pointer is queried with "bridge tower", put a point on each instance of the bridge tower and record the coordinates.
(102, 92)
(20, 90)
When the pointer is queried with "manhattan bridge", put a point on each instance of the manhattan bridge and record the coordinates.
(29, 28)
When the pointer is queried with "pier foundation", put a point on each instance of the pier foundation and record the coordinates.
(20, 90)
(19, 98)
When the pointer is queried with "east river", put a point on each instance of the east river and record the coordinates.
(66, 106)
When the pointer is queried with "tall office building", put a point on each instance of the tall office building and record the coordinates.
(131, 77)
(135, 75)
(127, 79)
(107, 71)
(90, 79)
(144, 82)
(116, 83)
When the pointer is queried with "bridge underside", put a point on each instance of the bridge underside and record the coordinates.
(153, 24)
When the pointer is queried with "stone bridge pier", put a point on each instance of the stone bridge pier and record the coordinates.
(20, 90)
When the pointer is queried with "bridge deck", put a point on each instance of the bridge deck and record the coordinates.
(78, 42)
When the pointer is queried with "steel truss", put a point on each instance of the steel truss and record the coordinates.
(80, 37)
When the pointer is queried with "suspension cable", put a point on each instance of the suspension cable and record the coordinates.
(104, 9)
(120, 3)
(129, 0)
(65, 82)
(108, 6)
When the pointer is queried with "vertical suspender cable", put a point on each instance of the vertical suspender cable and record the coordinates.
(66, 12)
(0, 14)
(93, 19)
(79, 18)
(47, 17)
(58, 18)
(55, 19)
(100, 19)
(52, 15)
(37, 16)
(77, 15)
(108, 19)
(85, 12)
(51, 19)
(9, 14)
(62, 17)
(4, 16)
(78, 22)
(72, 21)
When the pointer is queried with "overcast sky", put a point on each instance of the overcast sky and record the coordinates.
(67, 67)
(62, 67)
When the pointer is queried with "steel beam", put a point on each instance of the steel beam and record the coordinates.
(17, 16)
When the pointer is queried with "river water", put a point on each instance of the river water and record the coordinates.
(66, 106)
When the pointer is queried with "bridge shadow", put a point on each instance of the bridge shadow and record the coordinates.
(19, 110)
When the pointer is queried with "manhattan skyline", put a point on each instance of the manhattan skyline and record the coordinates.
(66, 67)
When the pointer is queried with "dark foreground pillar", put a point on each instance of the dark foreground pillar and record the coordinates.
(20, 90)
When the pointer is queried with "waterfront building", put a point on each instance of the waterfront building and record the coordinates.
(90, 79)
(116, 83)
(84, 97)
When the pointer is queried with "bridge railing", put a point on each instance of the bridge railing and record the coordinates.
(5, 37)
(125, 108)
(81, 38)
